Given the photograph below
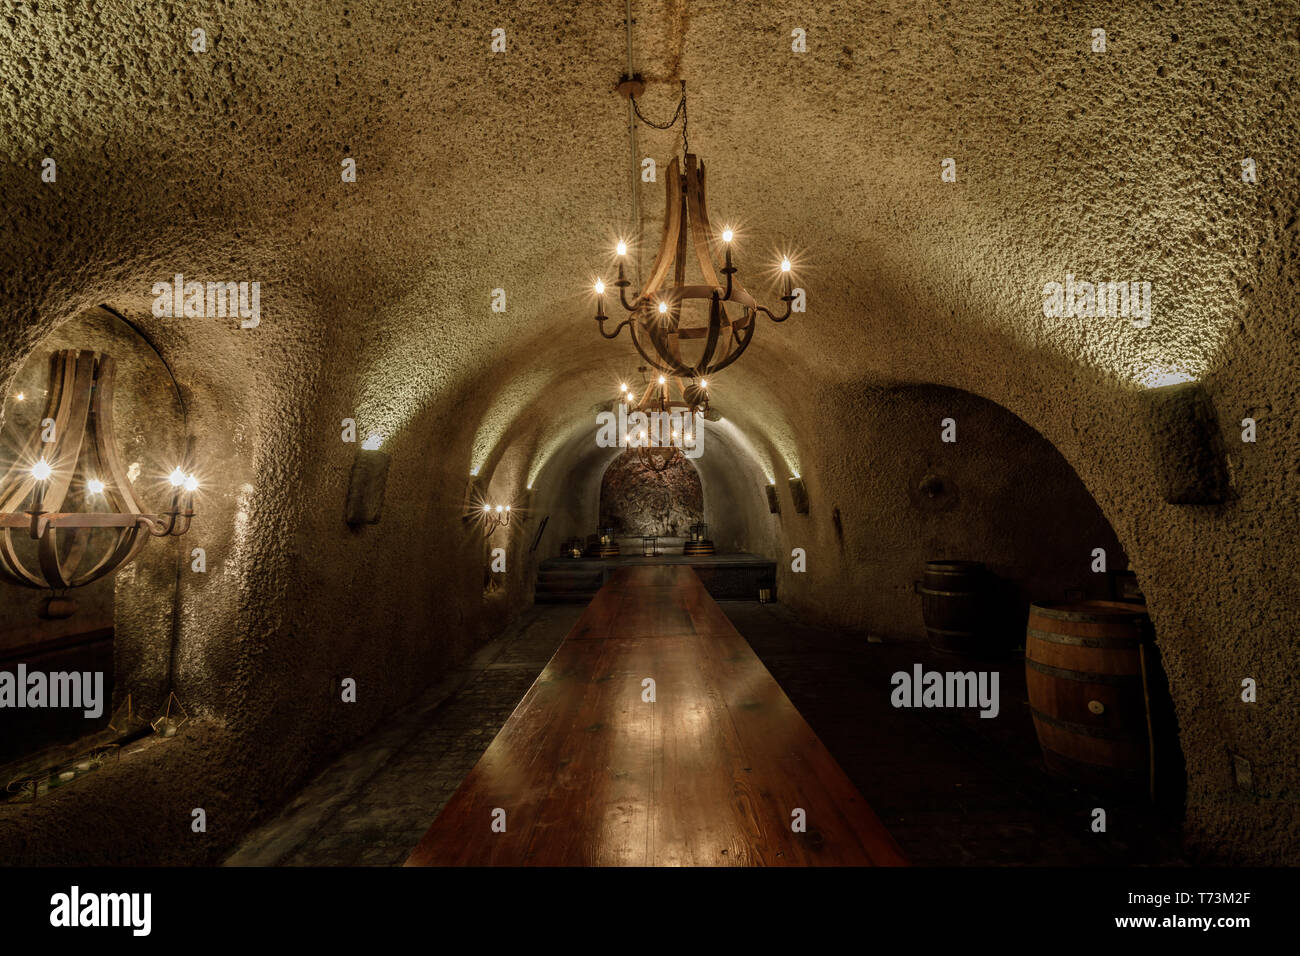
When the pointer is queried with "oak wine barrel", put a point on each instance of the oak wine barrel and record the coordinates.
(1084, 667)
(954, 604)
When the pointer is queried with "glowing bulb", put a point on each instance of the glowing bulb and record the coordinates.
(643, 436)
(662, 380)
(623, 387)
(726, 235)
(498, 509)
(622, 248)
(95, 486)
(41, 470)
(600, 287)
(372, 443)
(177, 478)
(487, 507)
(20, 396)
(785, 265)
(674, 432)
(507, 507)
(704, 383)
(191, 483)
(663, 307)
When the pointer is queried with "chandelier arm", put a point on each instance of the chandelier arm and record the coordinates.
(617, 329)
(622, 297)
(773, 316)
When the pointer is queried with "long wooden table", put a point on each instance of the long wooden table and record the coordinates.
(588, 773)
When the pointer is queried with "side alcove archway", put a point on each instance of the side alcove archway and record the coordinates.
(123, 624)
(943, 474)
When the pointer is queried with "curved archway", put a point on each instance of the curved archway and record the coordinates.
(121, 625)
(945, 474)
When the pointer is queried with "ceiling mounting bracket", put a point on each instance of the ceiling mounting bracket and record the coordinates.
(630, 86)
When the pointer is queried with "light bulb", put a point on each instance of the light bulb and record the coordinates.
(498, 509)
(20, 396)
(41, 470)
(95, 486)
(487, 507)
(622, 248)
(727, 234)
(643, 436)
(600, 287)
(623, 387)
(663, 307)
(674, 432)
(177, 478)
(191, 483)
(507, 507)
(704, 383)
(662, 380)
(785, 265)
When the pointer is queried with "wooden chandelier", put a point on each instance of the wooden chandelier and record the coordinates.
(656, 313)
(80, 413)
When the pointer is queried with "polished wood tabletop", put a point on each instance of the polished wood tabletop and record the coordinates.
(713, 772)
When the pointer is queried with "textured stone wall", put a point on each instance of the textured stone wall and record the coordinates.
(636, 500)
(225, 165)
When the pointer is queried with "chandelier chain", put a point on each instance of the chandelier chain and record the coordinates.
(680, 111)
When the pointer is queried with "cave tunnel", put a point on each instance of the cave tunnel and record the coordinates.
(934, 474)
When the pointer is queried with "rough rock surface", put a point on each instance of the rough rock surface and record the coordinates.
(480, 171)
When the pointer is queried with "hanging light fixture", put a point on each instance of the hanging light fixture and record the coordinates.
(73, 548)
(657, 315)
(666, 426)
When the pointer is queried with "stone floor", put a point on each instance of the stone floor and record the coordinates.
(954, 789)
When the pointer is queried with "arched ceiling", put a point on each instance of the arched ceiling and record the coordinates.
(479, 171)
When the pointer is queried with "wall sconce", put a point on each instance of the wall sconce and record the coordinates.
(494, 517)
(773, 502)
(366, 484)
(81, 406)
(1187, 448)
(799, 494)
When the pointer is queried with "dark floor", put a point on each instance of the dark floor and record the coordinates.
(952, 788)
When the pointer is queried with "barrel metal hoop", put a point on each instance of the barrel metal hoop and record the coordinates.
(925, 590)
(1107, 733)
(940, 630)
(1126, 643)
(1085, 677)
(1088, 617)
